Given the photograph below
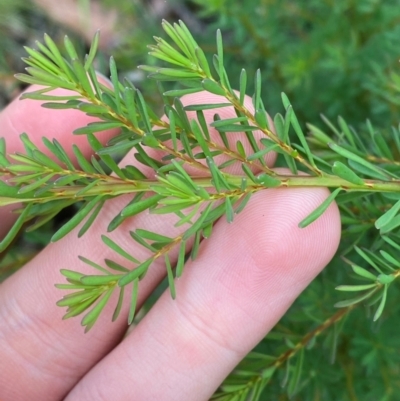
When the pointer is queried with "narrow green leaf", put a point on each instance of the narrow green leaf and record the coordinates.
(259, 154)
(200, 137)
(243, 202)
(365, 256)
(134, 298)
(141, 205)
(356, 300)
(394, 244)
(196, 107)
(171, 32)
(141, 241)
(96, 145)
(390, 258)
(135, 273)
(129, 97)
(83, 78)
(228, 121)
(203, 124)
(382, 145)
(145, 159)
(342, 171)
(35, 185)
(160, 52)
(90, 318)
(298, 130)
(83, 163)
(295, 378)
(78, 297)
(39, 60)
(170, 276)
(57, 55)
(45, 160)
(93, 50)
(240, 150)
(363, 272)
(12, 233)
(261, 118)
(171, 117)
(257, 93)
(249, 173)
(387, 216)
(201, 57)
(76, 310)
(320, 209)
(187, 38)
(229, 210)
(165, 49)
(42, 78)
(178, 73)
(70, 286)
(118, 308)
(355, 287)
(181, 259)
(93, 109)
(212, 87)
(75, 220)
(96, 280)
(72, 275)
(153, 236)
(87, 187)
(187, 146)
(116, 248)
(56, 148)
(207, 230)
(390, 225)
(182, 92)
(346, 131)
(93, 264)
(359, 160)
(381, 306)
(97, 127)
(173, 208)
(98, 87)
(198, 223)
(370, 173)
(69, 46)
(218, 178)
(88, 223)
(196, 245)
(237, 128)
(115, 266)
(242, 86)
(220, 53)
(188, 217)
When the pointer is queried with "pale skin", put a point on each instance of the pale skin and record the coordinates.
(244, 279)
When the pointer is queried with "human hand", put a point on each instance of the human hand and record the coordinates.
(242, 282)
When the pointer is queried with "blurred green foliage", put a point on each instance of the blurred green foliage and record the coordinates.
(326, 55)
(331, 57)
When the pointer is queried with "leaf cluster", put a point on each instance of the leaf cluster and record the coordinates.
(359, 167)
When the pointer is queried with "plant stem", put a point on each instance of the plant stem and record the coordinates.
(130, 186)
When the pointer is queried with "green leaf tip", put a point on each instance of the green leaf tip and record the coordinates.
(320, 209)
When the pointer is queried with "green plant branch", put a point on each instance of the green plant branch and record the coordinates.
(114, 186)
(280, 360)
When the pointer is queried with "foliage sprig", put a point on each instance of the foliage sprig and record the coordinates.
(43, 184)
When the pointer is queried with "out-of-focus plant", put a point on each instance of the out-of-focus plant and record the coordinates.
(334, 58)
